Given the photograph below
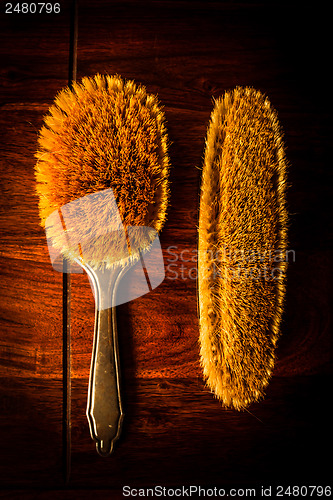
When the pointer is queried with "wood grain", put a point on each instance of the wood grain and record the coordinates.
(175, 432)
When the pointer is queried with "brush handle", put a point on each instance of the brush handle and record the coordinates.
(104, 407)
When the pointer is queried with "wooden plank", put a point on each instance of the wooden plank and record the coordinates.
(31, 320)
(175, 432)
(30, 432)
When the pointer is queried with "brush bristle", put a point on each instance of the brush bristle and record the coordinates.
(104, 133)
(242, 246)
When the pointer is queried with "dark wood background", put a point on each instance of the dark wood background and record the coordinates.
(175, 432)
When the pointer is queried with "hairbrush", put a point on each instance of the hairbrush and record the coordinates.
(103, 185)
(242, 246)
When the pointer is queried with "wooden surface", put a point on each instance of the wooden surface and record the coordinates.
(175, 432)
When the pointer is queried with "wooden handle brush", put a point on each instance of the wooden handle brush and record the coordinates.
(103, 141)
(242, 246)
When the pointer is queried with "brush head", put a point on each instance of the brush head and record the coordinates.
(242, 246)
(103, 133)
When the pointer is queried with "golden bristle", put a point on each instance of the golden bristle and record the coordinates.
(242, 246)
(104, 133)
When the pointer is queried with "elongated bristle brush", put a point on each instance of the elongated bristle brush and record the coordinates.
(102, 170)
(242, 246)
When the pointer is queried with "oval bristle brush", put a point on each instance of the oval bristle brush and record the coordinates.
(103, 141)
(242, 246)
